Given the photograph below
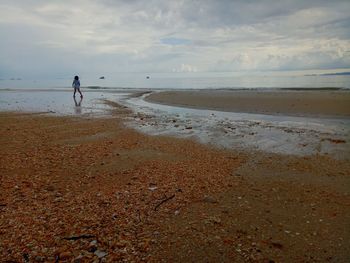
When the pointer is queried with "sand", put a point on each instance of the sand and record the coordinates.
(89, 188)
(288, 102)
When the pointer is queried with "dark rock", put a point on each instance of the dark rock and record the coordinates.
(25, 257)
(277, 245)
(92, 246)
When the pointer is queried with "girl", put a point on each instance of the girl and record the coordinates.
(76, 86)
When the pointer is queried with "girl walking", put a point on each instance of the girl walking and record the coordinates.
(76, 86)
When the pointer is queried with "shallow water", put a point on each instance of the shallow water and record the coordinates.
(271, 133)
(59, 102)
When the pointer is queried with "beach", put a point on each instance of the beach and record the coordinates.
(175, 131)
(84, 187)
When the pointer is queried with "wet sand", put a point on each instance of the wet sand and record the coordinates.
(314, 103)
(86, 189)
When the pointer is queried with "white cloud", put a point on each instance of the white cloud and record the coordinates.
(185, 68)
(181, 36)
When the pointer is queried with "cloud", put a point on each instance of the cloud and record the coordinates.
(185, 68)
(46, 37)
(173, 41)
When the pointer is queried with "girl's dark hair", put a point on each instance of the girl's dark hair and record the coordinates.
(76, 78)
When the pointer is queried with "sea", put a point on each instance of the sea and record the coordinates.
(203, 80)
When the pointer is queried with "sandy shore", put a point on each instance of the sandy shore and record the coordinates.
(85, 189)
(299, 103)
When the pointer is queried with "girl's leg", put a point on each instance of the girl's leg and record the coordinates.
(75, 91)
(81, 95)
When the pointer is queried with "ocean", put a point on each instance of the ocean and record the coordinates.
(211, 80)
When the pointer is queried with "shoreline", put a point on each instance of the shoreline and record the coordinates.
(278, 133)
(333, 104)
(122, 89)
(300, 102)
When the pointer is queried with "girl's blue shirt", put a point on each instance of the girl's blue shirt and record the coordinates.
(76, 83)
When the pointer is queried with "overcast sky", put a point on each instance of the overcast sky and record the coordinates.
(54, 38)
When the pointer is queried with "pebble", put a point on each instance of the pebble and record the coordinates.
(152, 188)
(39, 259)
(92, 246)
(58, 199)
(209, 199)
(100, 254)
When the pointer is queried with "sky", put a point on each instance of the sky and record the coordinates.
(56, 38)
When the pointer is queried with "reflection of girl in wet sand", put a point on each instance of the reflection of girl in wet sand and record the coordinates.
(77, 108)
(76, 86)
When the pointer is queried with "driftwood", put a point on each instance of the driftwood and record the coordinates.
(163, 201)
(78, 237)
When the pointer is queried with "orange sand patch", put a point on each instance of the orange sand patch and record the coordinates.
(83, 189)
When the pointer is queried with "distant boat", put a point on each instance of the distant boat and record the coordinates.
(102, 77)
(147, 77)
